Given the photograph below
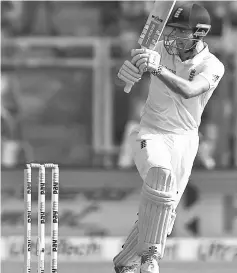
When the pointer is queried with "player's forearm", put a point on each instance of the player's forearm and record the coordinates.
(177, 84)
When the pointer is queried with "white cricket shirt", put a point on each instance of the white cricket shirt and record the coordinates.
(169, 111)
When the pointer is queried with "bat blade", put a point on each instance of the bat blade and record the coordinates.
(154, 27)
(155, 24)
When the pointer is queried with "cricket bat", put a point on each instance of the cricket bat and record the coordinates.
(154, 27)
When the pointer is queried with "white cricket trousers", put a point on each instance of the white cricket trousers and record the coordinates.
(167, 150)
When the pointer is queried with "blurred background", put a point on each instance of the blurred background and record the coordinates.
(61, 102)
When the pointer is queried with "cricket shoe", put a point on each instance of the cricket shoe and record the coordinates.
(149, 261)
(126, 269)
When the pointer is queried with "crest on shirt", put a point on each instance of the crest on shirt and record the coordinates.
(143, 143)
(215, 78)
(192, 74)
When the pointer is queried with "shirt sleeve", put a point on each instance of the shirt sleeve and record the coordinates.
(213, 72)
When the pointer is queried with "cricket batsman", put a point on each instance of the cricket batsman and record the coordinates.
(184, 75)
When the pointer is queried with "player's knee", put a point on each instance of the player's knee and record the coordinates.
(161, 179)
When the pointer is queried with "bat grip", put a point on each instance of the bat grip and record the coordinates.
(128, 86)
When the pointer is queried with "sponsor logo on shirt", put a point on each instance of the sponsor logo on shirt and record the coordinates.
(171, 70)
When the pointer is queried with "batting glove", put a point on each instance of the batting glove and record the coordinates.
(145, 59)
(129, 73)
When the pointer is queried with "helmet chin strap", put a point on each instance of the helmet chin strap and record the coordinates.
(197, 46)
(193, 47)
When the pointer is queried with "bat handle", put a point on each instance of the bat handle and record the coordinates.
(128, 88)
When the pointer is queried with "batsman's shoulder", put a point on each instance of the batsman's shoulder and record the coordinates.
(215, 64)
(212, 69)
(220, 65)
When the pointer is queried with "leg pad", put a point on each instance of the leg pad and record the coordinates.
(156, 210)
